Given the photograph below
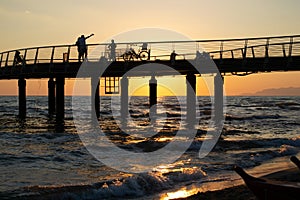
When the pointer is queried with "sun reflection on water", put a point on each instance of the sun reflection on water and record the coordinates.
(182, 193)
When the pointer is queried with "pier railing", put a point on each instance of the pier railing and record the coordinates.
(263, 47)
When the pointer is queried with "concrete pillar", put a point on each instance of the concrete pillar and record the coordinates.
(51, 96)
(22, 98)
(60, 99)
(124, 99)
(218, 99)
(152, 95)
(95, 98)
(191, 100)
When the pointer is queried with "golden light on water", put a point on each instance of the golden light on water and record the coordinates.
(182, 193)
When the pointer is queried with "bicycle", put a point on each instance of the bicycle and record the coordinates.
(143, 54)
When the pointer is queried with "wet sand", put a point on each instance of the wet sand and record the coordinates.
(236, 193)
(242, 192)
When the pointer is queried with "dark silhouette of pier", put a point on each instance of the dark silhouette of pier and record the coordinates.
(231, 56)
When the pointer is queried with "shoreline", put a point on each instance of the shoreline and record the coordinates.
(280, 169)
(242, 192)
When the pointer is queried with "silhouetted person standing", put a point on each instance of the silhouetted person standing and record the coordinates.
(81, 47)
(173, 57)
(112, 46)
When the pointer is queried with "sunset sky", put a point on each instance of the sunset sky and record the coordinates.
(38, 23)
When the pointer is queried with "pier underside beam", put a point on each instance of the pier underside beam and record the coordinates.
(124, 99)
(60, 99)
(191, 100)
(95, 96)
(22, 98)
(51, 96)
(153, 96)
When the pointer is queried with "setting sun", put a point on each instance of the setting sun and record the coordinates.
(97, 99)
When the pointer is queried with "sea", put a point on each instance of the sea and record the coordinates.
(40, 159)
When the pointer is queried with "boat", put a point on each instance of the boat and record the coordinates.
(296, 161)
(266, 189)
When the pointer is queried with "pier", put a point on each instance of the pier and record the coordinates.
(238, 57)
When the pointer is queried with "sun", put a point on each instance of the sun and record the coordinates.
(162, 91)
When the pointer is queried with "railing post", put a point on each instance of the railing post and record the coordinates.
(1, 59)
(289, 60)
(221, 51)
(6, 61)
(197, 46)
(36, 55)
(253, 52)
(232, 55)
(52, 55)
(68, 56)
(266, 60)
(291, 47)
(245, 49)
(267, 48)
(14, 60)
(283, 51)
(24, 57)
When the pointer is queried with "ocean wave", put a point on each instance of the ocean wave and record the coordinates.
(251, 117)
(251, 159)
(137, 185)
(289, 105)
(258, 143)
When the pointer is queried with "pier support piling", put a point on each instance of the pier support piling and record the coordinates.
(95, 83)
(51, 96)
(124, 99)
(191, 100)
(60, 99)
(153, 96)
(218, 99)
(22, 98)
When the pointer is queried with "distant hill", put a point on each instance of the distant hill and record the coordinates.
(290, 91)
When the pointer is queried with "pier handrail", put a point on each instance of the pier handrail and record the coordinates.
(288, 45)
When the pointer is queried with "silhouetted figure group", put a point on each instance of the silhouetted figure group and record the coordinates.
(81, 47)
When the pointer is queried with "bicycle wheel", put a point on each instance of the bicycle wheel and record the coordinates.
(126, 56)
(143, 55)
(131, 58)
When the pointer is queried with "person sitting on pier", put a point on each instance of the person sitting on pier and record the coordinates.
(18, 58)
(144, 46)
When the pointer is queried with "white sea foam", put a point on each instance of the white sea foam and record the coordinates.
(133, 186)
